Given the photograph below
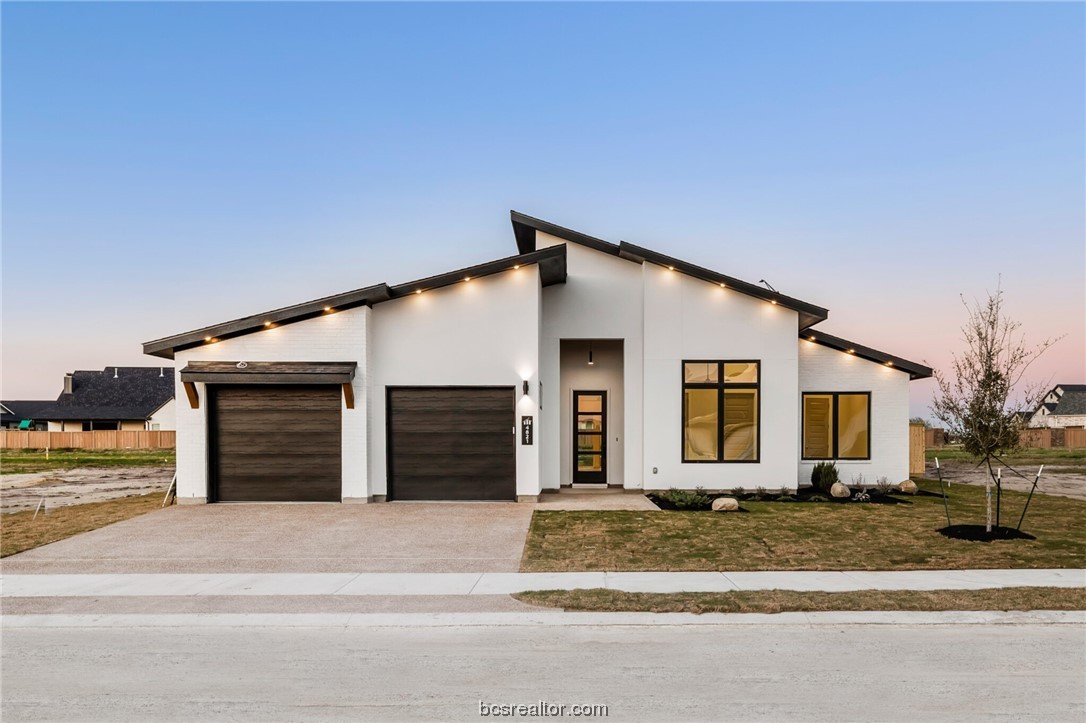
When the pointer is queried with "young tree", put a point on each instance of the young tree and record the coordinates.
(981, 399)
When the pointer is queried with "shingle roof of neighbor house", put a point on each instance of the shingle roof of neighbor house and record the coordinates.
(113, 393)
(1073, 400)
(19, 409)
(552, 263)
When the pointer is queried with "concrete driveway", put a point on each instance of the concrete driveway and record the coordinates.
(396, 537)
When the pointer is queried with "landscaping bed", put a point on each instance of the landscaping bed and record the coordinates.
(787, 536)
(778, 601)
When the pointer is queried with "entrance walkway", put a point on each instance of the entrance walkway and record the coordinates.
(504, 583)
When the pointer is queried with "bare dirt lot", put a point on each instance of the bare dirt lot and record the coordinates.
(1063, 480)
(80, 485)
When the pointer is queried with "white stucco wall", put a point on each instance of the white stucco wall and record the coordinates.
(484, 332)
(165, 417)
(601, 299)
(822, 369)
(686, 318)
(339, 336)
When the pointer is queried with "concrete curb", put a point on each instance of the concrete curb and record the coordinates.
(538, 619)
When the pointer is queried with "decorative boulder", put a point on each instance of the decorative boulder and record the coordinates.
(908, 487)
(725, 504)
(840, 491)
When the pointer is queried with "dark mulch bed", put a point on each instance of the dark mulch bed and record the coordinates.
(977, 533)
(662, 501)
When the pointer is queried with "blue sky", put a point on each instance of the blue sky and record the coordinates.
(167, 166)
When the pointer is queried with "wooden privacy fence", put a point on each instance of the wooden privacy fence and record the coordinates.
(1035, 438)
(916, 449)
(1073, 437)
(1049, 437)
(100, 439)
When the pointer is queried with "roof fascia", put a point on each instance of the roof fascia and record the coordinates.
(913, 369)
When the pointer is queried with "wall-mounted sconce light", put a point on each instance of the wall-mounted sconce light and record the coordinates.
(525, 387)
(590, 362)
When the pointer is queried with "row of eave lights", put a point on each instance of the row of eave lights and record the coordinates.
(267, 325)
(850, 351)
(468, 278)
(329, 309)
(722, 284)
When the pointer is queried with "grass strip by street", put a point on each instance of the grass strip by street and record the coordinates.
(778, 601)
(16, 461)
(1018, 458)
(19, 531)
(809, 536)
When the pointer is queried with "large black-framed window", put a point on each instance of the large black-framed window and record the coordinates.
(837, 425)
(721, 410)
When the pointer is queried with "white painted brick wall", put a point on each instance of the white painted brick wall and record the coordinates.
(822, 369)
(340, 336)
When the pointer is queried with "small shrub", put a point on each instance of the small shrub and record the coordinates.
(736, 491)
(858, 481)
(823, 476)
(760, 491)
(861, 495)
(883, 486)
(687, 500)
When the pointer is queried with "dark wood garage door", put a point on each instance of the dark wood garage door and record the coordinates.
(271, 443)
(451, 443)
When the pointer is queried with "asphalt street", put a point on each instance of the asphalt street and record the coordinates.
(639, 672)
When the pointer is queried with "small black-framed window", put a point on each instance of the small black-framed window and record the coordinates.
(836, 425)
(721, 413)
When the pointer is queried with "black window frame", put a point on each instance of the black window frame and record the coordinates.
(835, 432)
(721, 386)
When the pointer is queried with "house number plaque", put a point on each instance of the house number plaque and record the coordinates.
(526, 433)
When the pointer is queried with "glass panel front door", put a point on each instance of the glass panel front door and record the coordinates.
(590, 437)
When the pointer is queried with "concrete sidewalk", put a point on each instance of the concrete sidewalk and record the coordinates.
(504, 583)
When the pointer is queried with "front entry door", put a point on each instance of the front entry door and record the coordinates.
(590, 437)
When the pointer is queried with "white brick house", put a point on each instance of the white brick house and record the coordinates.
(576, 361)
(1064, 406)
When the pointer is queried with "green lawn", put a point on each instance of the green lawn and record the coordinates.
(13, 461)
(809, 536)
(777, 601)
(1056, 455)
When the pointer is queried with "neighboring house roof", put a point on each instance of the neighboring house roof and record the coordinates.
(18, 410)
(1064, 388)
(113, 393)
(1073, 401)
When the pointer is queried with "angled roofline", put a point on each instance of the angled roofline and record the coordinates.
(913, 369)
(524, 228)
(809, 314)
(551, 262)
(166, 346)
(552, 270)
